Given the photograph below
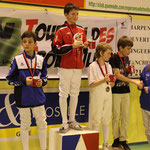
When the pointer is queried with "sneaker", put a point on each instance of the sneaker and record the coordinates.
(75, 125)
(124, 145)
(116, 143)
(64, 128)
(106, 147)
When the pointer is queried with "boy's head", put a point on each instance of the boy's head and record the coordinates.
(29, 34)
(124, 45)
(103, 50)
(29, 41)
(71, 13)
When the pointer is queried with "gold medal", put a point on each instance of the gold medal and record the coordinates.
(107, 89)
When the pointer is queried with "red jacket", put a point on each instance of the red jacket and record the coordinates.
(62, 46)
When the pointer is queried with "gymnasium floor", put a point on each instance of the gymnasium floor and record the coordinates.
(136, 146)
(141, 146)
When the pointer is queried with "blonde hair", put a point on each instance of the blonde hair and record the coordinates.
(102, 47)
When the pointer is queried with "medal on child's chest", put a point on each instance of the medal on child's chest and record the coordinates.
(107, 88)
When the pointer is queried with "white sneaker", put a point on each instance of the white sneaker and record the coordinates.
(106, 147)
(64, 128)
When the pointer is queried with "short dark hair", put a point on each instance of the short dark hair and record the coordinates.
(29, 34)
(102, 47)
(70, 6)
(124, 41)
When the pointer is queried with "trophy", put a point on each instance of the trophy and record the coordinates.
(78, 37)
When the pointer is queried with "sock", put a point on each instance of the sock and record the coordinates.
(105, 134)
(63, 109)
(72, 108)
(25, 139)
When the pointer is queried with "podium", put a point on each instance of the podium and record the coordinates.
(73, 140)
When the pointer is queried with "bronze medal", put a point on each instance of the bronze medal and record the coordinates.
(107, 89)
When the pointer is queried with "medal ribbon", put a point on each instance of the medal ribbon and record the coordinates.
(32, 73)
(123, 65)
(78, 49)
(101, 68)
(70, 29)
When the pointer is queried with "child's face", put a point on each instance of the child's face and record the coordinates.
(72, 17)
(28, 44)
(125, 51)
(106, 55)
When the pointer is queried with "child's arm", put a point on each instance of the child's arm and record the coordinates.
(98, 82)
(93, 82)
(13, 76)
(123, 78)
(44, 74)
(61, 48)
(58, 47)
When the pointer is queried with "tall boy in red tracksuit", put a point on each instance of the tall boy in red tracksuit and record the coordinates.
(68, 43)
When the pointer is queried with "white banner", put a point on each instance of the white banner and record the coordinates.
(128, 6)
(140, 53)
(15, 22)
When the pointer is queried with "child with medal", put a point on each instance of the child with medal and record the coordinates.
(68, 44)
(28, 92)
(121, 92)
(100, 106)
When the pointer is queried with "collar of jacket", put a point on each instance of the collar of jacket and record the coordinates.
(27, 56)
(71, 25)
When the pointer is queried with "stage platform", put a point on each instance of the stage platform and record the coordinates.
(73, 140)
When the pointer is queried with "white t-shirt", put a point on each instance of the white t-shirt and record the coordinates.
(95, 73)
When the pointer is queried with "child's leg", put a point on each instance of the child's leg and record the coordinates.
(116, 102)
(25, 117)
(105, 134)
(146, 121)
(40, 116)
(107, 110)
(65, 76)
(96, 105)
(74, 92)
(124, 116)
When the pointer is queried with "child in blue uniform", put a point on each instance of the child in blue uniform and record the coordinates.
(28, 96)
(145, 99)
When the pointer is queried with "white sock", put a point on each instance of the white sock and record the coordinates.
(72, 108)
(105, 134)
(25, 139)
(63, 109)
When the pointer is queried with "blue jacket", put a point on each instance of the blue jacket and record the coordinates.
(145, 98)
(27, 96)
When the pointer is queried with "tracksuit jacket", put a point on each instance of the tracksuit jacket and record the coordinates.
(25, 95)
(68, 57)
(145, 98)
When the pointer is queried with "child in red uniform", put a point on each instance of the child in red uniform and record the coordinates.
(68, 43)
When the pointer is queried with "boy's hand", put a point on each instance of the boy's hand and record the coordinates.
(146, 89)
(140, 86)
(137, 82)
(39, 83)
(107, 78)
(29, 80)
(77, 44)
(86, 44)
